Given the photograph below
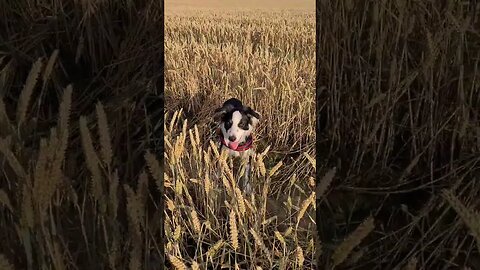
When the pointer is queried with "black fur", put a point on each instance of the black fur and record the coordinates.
(225, 112)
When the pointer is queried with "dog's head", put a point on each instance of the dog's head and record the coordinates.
(237, 121)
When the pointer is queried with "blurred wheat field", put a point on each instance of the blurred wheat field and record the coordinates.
(265, 59)
(79, 162)
(399, 100)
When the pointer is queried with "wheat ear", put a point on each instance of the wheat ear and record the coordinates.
(91, 158)
(104, 132)
(233, 230)
(5, 264)
(27, 91)
(353, 240)
(470, 217)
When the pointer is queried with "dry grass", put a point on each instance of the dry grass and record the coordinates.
(266, 60)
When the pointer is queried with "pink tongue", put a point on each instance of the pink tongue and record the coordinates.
(234, 145)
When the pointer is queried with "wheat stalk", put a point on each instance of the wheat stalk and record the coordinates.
(280, 238)
(41, 175)
(299, 256)
(27, 215)
(312, 161)
(240, 201)
(106, 146)
(51, 157)
(470, 217)
(353, 240)
(259, 242)
(325, 182)
(177, 263)
(195, 221)
(5, 201)
(195, 266)
(177, 233)
(261, 166)
(233, 230)
(64, 111)
(11, 159)
(170, 205)
(213, 250)
(4, 121)
(49, 67)
(155, 169)
(91, 159)
(112, 194)
(27, 91)
(303, 209)
(275, 169)
(207, 184)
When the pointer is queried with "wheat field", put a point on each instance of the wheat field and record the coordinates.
(266, 59)
(398, 100)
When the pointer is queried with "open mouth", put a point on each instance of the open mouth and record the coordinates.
(233, 145)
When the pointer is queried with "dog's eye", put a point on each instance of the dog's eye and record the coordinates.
(228, 124)
(243, 124)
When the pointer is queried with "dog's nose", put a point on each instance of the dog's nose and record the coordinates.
(232, 138)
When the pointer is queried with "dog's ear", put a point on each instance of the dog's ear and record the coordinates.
(255, 116)
(220, 112)
(249, 111)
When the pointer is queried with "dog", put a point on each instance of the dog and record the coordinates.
(235, 133)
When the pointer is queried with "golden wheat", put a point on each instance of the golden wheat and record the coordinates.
(177, 263)
(275, 169)
(303, 209)
(241, 201)
(259, 242)
(201, 181)
(214, 249)
(195, 266)
(195, 221)
(233, 230)
(300, 257)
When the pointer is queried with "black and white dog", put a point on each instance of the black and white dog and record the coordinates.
(235, 130)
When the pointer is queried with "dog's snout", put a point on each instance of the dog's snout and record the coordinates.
(232, 138)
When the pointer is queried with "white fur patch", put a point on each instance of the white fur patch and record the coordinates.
(236, 117)
(239, 134)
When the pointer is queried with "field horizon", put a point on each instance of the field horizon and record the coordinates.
(232, 5)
